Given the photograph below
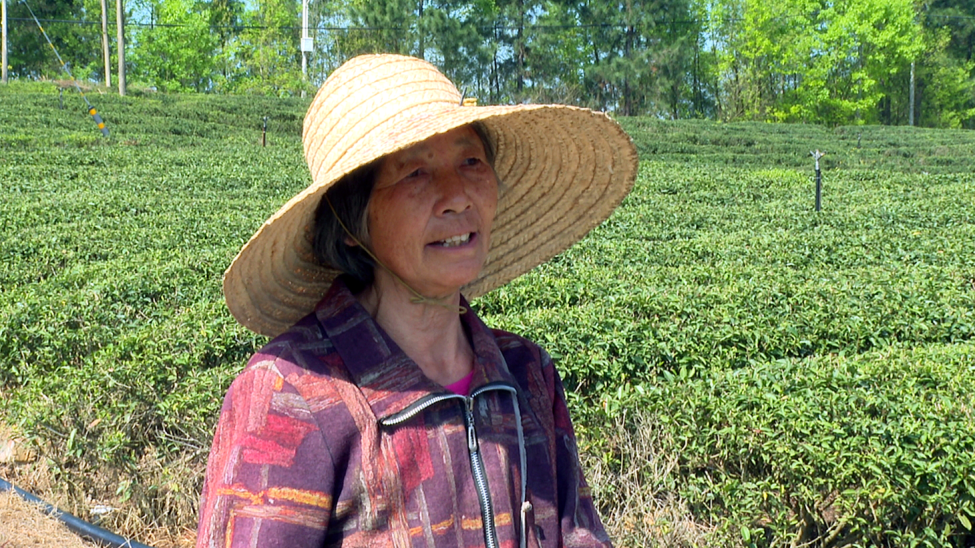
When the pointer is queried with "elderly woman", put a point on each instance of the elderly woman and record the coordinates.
(383, 412)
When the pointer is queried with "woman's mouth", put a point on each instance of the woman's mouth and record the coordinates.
(455, 241)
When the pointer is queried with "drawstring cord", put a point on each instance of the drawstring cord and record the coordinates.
(417, 298)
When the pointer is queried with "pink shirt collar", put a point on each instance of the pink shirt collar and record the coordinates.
(463, 386)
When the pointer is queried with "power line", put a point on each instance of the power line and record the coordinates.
(329, 28)
(543, 27)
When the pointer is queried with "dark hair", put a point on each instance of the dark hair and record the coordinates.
(349, 197)
(481, 130)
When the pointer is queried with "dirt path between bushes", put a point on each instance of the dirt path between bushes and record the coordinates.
(24, 525)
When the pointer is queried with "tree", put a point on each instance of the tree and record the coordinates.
(79, 45)
(865, 43)
(454, 36)
(703, 77)
(640, 54)
(226, 21)
(176, 54)
(958, 16)
(812, 60)
(946, 85)
(266, 53)
(392, 25)
(558, 52)
(946, 73)
(449, 34)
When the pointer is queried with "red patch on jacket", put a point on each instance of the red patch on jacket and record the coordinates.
(277, 441)
(413, 455)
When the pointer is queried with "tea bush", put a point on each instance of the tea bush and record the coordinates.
(872, 449)
(807, 373)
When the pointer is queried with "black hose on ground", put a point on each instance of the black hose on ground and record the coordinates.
(75, 524)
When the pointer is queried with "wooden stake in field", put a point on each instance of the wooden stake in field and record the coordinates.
(819, 180)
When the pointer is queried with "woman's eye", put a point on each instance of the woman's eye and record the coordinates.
(414, 173)
(472, 161)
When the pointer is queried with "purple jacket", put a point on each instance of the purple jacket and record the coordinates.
(333, 436)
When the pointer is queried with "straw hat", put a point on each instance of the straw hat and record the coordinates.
(563, 171)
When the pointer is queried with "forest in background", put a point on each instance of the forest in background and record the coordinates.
(809, 61)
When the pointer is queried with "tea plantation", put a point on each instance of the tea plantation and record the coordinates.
(803, 378)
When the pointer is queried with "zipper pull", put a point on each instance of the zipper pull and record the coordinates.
(471, 434)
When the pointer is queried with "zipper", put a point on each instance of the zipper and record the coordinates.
(418, 407)
(477, 463)
(480, 480)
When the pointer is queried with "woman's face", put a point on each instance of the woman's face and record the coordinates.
(431, 211)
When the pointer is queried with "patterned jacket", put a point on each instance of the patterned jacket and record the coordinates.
(332, 436)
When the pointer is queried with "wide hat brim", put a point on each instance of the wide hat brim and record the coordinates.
(563, 170)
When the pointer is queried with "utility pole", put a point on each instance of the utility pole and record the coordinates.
(3, 55)
(105, 52)
(120, 23)
(307, 44)
(911, 116)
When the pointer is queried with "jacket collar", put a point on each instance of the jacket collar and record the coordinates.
(388, 378)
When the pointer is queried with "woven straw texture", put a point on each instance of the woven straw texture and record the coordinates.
(563, 171)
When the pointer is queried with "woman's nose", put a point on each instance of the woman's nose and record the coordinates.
(454, 197)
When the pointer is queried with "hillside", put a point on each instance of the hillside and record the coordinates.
(742, 369)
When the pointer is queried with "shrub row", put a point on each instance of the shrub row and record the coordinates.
(883, 148)
(872, 449)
